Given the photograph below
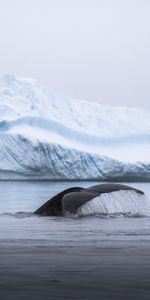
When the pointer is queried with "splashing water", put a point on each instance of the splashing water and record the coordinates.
(126, 203)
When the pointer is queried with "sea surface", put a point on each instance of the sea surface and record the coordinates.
(69, 257)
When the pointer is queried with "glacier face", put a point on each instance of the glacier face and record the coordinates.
(44, 135)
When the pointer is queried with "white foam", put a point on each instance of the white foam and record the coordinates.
(128, 203)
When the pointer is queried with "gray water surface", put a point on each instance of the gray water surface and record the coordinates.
(69, 258)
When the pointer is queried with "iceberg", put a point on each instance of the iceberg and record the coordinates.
(47, 136)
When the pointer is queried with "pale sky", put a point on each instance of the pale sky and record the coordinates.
(97, 50)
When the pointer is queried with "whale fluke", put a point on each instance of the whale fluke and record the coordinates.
(111, 187)
(53, 207)
(71, 199)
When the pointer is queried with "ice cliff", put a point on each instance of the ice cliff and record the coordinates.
(44, 135)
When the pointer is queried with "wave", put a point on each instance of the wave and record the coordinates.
(19, 214)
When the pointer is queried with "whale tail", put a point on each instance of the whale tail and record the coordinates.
(98, 199)
(53, 207)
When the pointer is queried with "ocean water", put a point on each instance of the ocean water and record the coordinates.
(51, 257)
(19, 199)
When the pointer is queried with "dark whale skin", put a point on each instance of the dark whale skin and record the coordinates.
(53, 207)
(69, 200)
(111, 187)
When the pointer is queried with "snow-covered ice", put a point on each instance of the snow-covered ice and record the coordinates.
(44, 135)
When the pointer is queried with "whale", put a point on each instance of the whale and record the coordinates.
(71, 199)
